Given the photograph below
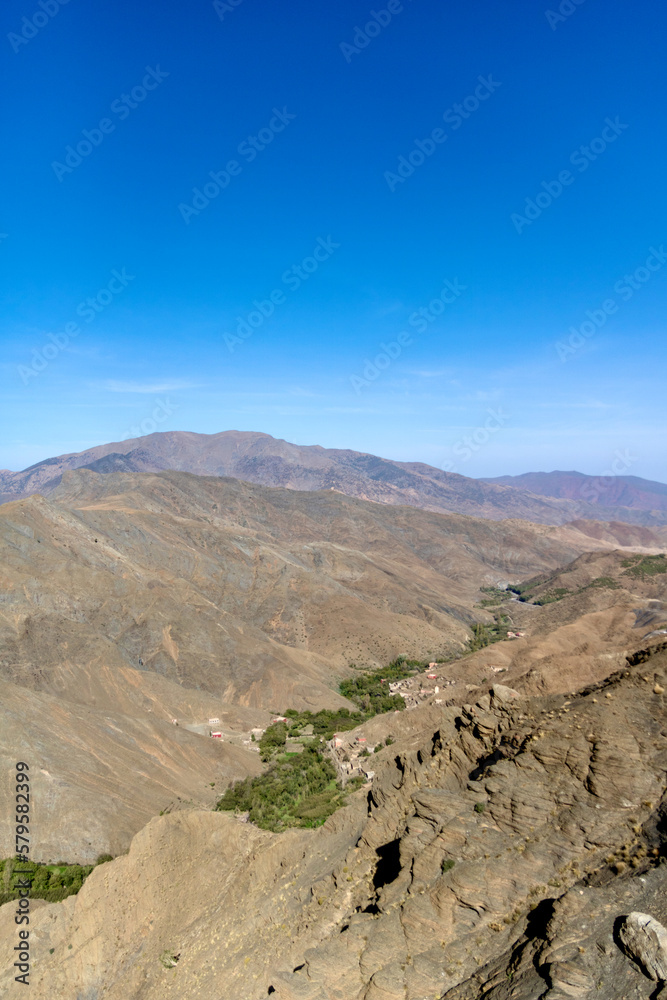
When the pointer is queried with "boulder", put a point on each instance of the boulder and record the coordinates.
(503, 694)
(644, 940)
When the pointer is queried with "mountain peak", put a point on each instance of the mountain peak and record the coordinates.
(547, 498)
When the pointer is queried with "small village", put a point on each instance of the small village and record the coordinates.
(351, 751)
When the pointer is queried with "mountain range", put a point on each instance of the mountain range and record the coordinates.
(131, 599)
(511, 818)
(552, 498)
(605, 491)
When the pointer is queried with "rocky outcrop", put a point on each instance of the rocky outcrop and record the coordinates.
(491, 858)
(644, 940)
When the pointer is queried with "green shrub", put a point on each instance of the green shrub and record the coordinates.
(483, 635)
(480, 807)
(495, 597)
(272, 739)
(298, 791)
(50, 882)
(446, 865)
(551, 596)
(640, 567)
(370, 690)
(604, 581)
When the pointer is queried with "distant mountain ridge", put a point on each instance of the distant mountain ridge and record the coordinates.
(267, 461)
(606, 491)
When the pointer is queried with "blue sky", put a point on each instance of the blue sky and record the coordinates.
(539, 200)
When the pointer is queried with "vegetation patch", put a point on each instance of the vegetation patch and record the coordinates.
(640, 567)
(527, 592)
(495, 596)
(50, 882)
(607, 582)
(483, 635)
(297, 791)
(370, 691)
(551, 596)
(524, 590)
(300, 789)
(308, 728)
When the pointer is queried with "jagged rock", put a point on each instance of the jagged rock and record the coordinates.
(502, 694)
(644, 940)
(480, 864)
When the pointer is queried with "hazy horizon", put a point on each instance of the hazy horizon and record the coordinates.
(619, 461)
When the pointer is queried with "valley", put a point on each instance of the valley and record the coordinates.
(406, 701)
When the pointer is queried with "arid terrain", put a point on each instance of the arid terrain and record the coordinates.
(517, 815)
(262, 459)
(607, 490)
(499, 848)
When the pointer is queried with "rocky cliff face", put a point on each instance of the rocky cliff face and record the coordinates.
(497, 853)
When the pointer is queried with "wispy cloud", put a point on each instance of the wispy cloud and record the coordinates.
(148, 388)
